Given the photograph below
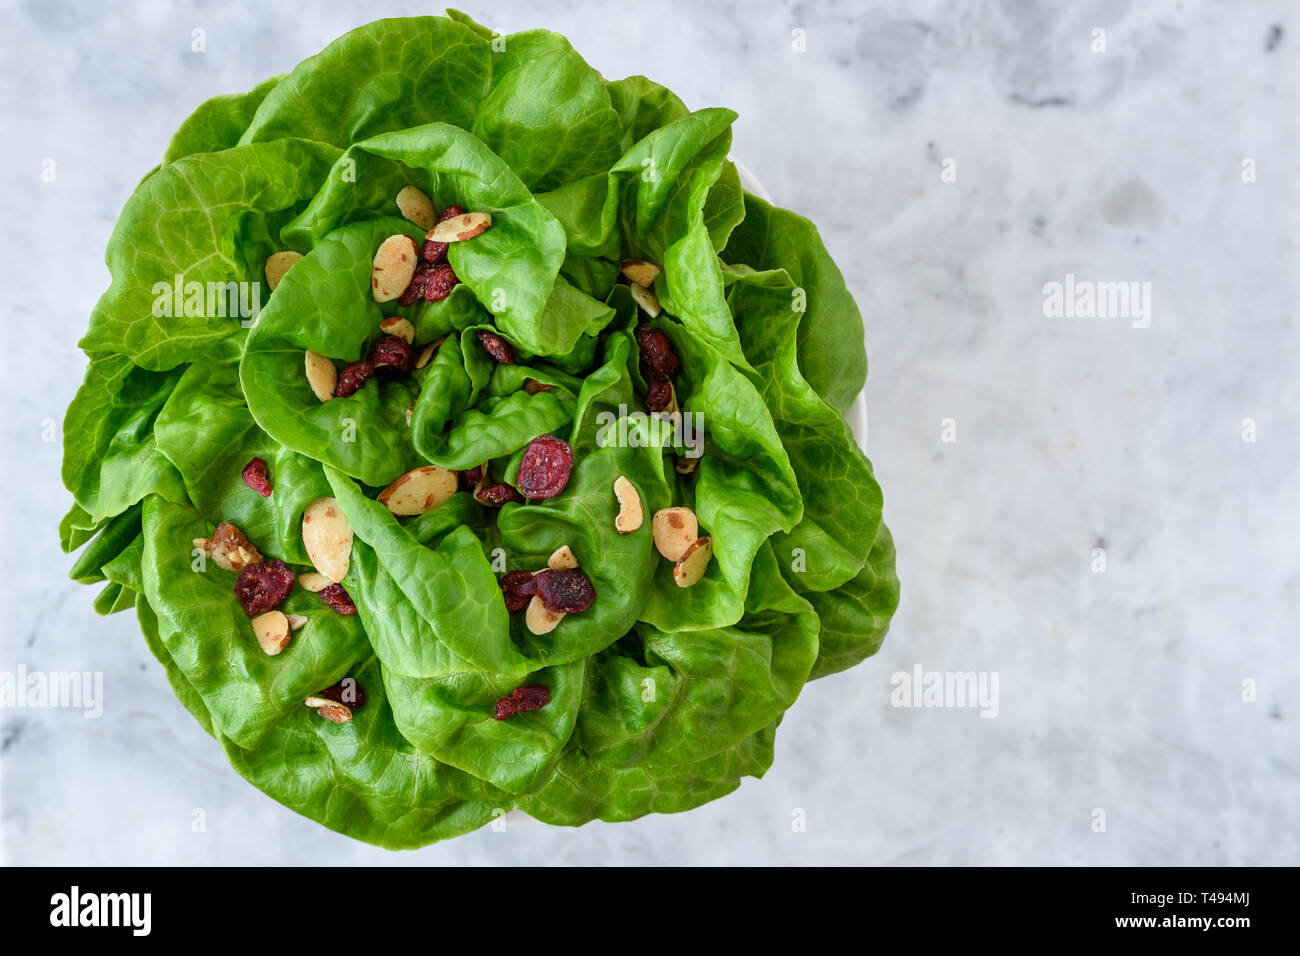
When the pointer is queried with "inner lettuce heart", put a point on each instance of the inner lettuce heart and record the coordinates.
(661, 360)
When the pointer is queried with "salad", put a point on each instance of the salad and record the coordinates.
(466, 440)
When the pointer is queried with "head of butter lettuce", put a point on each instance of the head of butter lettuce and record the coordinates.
(661, 697)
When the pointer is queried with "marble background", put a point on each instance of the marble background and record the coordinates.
(1119, 690)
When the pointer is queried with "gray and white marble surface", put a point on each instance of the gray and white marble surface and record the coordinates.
(1010, 444)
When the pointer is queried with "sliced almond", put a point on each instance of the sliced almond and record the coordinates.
(394, 264)
(532, 386)
(420, 490)
(322, 376)
(277, 264)
(641, 273)
(317, 701)
(685, 465)
(272, 630)
(674, 531)
(229, 548)
(327, 536)
(631, 513)
(410, 410)
(692, 565)
(538, 619)
(428, 352)
(402, 328)
(563, 559)
(335, 713)
(314, 581)
(648, 301)
(460, 228)
(296, 621)
(416, 206)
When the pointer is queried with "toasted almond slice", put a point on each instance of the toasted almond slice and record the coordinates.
(327, 536)
(563, 559)
(314, 581)
(416, 206)
(394, 264)
(296, 621)
(692, 565)
(648, 301)
(641, 273)
(335, 713)
(316, 701)
(272, 630)
(277, 264)
(460, 228)
(402, 328)
(229, 548)
(631, 513)
(420, 490)
(674, 531)
(410, 410)
(428, 352)
(533, 387)
(538, 619)
(685, 465)
(322, 376)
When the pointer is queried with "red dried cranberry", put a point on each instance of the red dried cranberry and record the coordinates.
(522, 700)
(337, 598)
(257, 477)
(545, 467)
(518, 587)
(494, 496)
(657, 353)
(263, 586)
(569, 590)
(419, 282)
(391, 353)
(440, 283)
(659, 396)
(352, 376)
(497, 347)
(470, 477)
(347, 692)
(432, 251)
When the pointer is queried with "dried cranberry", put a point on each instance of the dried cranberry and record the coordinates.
(263, 586)
(257, 477)
(497, 347)
(518, 587)
(391, 353)
(659, 396)
(657, 353)
(440, 283)
(522, 700)
(337, 598)
(470, 477)
(545, 467)
(432, 251)
(496, 495)
(347, 692)
(569, 590)
(352, 376)
(419, 282)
